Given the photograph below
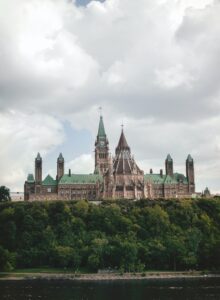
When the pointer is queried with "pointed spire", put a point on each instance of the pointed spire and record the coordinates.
(189, 158)
(122, 144)
(60, 158)
(169, 158)
(38, 156)
(101, 130)
(124, 163)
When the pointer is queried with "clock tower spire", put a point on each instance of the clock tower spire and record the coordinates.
(101, 149)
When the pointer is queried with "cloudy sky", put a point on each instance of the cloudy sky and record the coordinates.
(153, 64)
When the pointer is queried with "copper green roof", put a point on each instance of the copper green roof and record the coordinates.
(155, 178)
(180, 177)
(166, 179)
(101, 130)
(80, 179)
(30, 178)
(169, 158)
(49, 181)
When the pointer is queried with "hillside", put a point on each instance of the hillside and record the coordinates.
(130, 236)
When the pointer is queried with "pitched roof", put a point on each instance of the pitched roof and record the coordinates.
(122, 144)
(60, 158)
(38, 156)
(30, 178)
(189, 158)
(169, 158)
(49, 181)
(166, 179)
(80, 179)
(154, 178)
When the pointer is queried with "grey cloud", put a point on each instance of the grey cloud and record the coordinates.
(159, 74)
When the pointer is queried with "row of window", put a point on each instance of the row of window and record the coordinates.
(77, 192)
(102, 155)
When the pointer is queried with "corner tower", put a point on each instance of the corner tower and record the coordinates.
(190, 173)
(101, 149)
(169, 165)
(38, 173)
(60, 166)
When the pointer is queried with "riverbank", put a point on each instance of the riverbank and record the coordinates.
(107, 276)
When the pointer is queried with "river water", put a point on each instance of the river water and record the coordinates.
(205, 288)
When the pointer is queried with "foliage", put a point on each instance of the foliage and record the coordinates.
(124, 235)
(4, 194)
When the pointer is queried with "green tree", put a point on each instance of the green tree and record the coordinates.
(4, 194)
(63, 256)
(7, 260)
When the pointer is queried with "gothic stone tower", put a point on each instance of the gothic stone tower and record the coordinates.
(60, 166)
(190, 173)
(169, 165)
(101, 150)
(38, 173)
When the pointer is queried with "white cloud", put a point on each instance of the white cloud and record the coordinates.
(153, 64)
(174, 77)
(22, 136)
(83, 164)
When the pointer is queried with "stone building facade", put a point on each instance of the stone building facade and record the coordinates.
(117, 177)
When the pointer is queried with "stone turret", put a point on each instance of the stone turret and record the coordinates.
(60, 166)
(38, 174)
(38, 169)
(190, 173)
(169, 165)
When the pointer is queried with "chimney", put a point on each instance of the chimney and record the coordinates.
(151, 171)
(69, 172)
(161, 172)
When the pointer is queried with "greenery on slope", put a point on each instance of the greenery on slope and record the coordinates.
(124, 235)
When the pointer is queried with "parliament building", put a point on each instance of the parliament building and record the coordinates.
(117, 177)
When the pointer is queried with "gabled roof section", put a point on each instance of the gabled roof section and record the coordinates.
(101, 130)
(30, 178)
(49, 181)
(170, 179)
(155, 178)
(80, 179)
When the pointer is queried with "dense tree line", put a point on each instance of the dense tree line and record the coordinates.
(125, 235)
